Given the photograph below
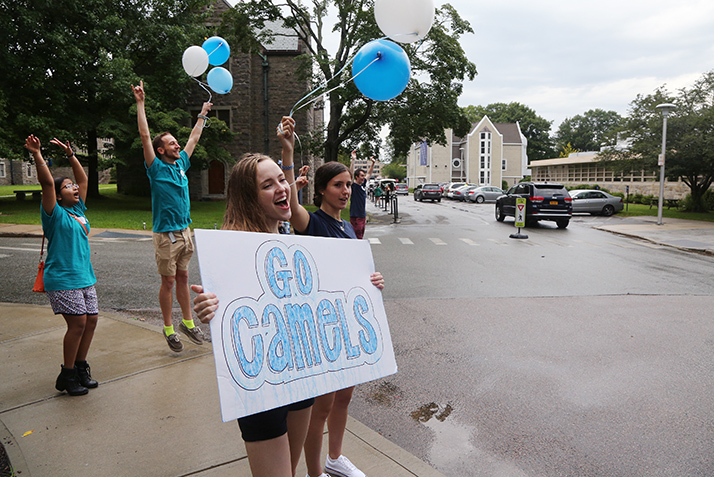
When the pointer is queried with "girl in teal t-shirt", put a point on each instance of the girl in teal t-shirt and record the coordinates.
(69, 278)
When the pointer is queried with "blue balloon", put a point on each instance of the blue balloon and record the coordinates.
(217, 49)
(220, 80)
(381, 70)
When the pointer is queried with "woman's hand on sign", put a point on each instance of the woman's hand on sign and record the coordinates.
(205, 304)
(377, 280)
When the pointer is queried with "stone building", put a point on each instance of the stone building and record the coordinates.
(265, 88)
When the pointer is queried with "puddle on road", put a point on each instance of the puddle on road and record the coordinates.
(427, 411)
(384, 393)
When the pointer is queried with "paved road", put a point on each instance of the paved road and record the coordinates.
(575, 352)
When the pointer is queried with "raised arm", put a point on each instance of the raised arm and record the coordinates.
(353, 159)
(300, 218)
(197, 129)
(144, 132)
(80, 177)
(371, 167)
(44, 176)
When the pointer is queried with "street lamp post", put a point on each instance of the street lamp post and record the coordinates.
(666, 108)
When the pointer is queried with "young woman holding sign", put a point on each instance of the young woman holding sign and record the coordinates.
(258, 200)
(333, 187)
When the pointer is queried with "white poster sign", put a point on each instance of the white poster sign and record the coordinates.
(298, 317)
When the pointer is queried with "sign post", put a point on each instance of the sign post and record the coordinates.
(520, 218)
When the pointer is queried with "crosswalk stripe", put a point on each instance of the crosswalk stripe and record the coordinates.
(405, 241)
(437, 241)
(374, 241)
(36, 250)
(469, 241)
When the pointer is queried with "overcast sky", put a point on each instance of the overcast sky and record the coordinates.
(562, 58)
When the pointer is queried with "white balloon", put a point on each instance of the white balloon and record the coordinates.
(405, 21)
(195, 60)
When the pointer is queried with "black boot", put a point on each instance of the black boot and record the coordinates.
(68, 380)
(85, 378)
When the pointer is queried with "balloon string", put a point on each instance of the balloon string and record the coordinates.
(216, 48)
(299, 106)
(296, 108)
(205, 123)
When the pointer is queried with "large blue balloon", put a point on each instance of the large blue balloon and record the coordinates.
(220, 80)
(217, 49)
(387, 75)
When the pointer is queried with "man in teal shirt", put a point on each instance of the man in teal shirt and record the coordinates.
(166, 165)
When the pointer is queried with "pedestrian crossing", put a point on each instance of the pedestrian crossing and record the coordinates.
(549, 242)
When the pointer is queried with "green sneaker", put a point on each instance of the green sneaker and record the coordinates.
(174, 342)
(194, 334)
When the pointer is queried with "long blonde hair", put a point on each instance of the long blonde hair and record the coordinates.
(243, 212)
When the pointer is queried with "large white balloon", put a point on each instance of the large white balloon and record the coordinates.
(195, 60)
(405, 21)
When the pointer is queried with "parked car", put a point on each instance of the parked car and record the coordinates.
(402, 189)
(427, 191)
(483, 194)
(451, 187)
(461, 192)
(596, 202)
(544, 201)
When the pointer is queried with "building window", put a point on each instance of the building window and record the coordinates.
(2, 169)
(504, 164)
(485, 158)
(29, 170)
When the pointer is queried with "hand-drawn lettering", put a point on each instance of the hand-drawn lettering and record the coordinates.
(303, 331)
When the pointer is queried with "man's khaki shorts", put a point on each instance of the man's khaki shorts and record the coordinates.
(171, 257)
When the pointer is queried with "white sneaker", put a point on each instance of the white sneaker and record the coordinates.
(342, 467)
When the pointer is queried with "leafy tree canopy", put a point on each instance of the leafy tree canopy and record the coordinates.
(428, 105)
(68, 66)
(590, 131)
(535, 128)
(690, 136)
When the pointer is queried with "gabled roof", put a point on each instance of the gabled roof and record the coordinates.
(510, 132)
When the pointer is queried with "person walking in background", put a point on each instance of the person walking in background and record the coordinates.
(333, 186)
(378, 192)
(358, 202)
(258, 200)
(68, 276)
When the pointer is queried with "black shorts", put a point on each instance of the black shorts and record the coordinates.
(269, 424)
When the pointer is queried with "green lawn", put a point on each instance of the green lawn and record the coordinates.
(633, 210)
(113, 210)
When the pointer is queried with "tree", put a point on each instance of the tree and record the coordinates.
(68, 66)
(567, 150)
(535, 128)
(690, 136)
(590, 131)
(429, 104)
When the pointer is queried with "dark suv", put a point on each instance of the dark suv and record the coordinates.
(427, 191)
(544, 201)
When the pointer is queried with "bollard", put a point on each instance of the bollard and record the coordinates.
(144, 225)
(395, 209)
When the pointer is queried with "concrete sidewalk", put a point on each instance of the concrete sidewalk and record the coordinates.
(688, 235)
(155, 412)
